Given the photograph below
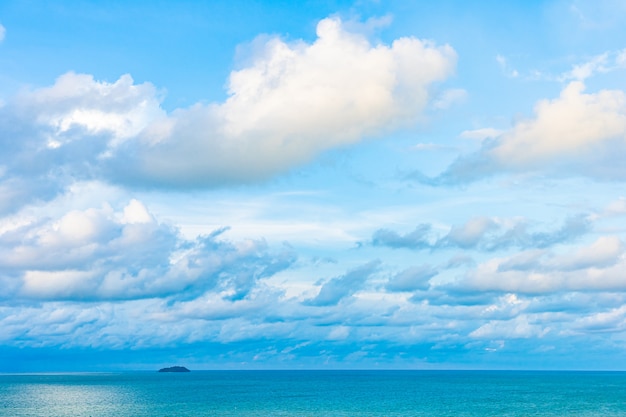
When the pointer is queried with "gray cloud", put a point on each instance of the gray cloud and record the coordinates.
(412, 279)
(485, 234)
(417, 239)
(335, 289)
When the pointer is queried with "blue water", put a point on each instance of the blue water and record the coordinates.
(315, 393)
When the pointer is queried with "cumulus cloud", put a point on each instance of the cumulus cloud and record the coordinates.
(569, 125)
(56, 135)
(578, 132)
(77, 102)
(292, 102)
(288, 104)
(103, 253)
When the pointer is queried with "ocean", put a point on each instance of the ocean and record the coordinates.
(314, 393)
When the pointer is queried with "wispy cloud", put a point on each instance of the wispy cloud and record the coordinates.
(480, 134)
(449, 98)
(506, 68)
(599, 64)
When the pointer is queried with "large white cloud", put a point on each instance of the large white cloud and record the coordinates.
(293, 101)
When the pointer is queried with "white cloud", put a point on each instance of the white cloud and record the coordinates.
(58, 284)
(505, 67)
(576, 133)
(606, 62)
(571, 125)
(3, 32)
(103, 253)
(76, 101)
(480, 134)
(471, 233)
(585, 70)
(605, 251)
(136, 212)
(431, 147)
(509, 329)
(615, 208)
(291, 103)
(595, 267)
(613, 320)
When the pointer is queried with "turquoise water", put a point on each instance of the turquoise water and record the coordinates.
(315, 393)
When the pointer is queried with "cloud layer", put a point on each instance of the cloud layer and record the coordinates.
(113, 277)
(103, 254)
(120, 235)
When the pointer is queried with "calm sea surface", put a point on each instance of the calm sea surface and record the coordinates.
(315, 393)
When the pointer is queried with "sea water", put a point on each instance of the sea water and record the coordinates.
(315, 393)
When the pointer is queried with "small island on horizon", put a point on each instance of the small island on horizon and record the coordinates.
(174, 369)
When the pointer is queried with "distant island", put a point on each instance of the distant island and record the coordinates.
(175, 369)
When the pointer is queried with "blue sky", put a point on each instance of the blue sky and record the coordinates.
(341, 184)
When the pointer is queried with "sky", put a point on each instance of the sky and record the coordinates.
(335, 184)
